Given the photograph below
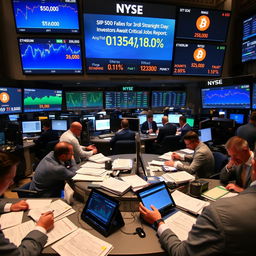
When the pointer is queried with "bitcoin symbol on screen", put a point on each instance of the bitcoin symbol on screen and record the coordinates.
(4, 97)
(203, 23)
(199, 54)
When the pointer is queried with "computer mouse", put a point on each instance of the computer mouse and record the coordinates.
(140, 232)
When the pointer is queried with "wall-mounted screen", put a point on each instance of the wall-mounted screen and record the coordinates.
(50, 16)
(126, 100)
(78, 100)
(128, 38)
(249, 27)
(50, 56)
(235, 96)
(10, 100)
(42, 100)
(168, 99)
(202, 24)
(198, 59)
(239, 118)
(249, 50)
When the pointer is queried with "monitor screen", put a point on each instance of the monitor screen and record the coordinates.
(205, 134)
(168, 99)
(10, 100)
(90, 122)
(235, 96)
(249, 27)
(142, 118)
(158, 118)
(80, 100)
(50, 16)
(126, 100)
(102, 124)
(174, 118)
(13, 117)
(128, 38)
(42, 100)
(202, 24)
(238, 118)
(2, 138)
(59, 125)
(50, 56)
(249, 50)
(191, 121)
(31, 126)
(51, 116)
(198, 59)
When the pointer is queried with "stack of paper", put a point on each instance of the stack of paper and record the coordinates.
(122, 164)
(187, 151)
(157, 163)
(167, 156)
(93, 165)
(99, 158)
(90, 174)
(10, 219)
(217, 192)
(178, 177)
(135, 181)
(115, 186)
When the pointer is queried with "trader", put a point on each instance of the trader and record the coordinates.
(35, 240)
(184, 126)
(149, 126)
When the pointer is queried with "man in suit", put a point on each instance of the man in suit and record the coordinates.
(56, 167)
(167, 129)
(149, 126)
(184, 126)
(225, 227)
(201, 163)
(239, 166)
(35, 240)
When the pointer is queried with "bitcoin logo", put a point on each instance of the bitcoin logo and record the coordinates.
(203, 23)
(199, 54)
(4, 97)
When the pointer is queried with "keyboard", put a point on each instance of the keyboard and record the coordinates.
(107, 135)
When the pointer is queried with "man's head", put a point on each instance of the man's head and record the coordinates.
(164, 120)
(46, 124)
(182, 120)
(76, 128)
(63, 151)
(125, 124)
(150, 117)
(191, 140)
(238, 150)
(8, 165)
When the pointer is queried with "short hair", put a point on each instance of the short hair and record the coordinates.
(61, 148)
(183, 119)
(46, 123)
(125, 123)
(190, 135)
(253, 116)
(7, 160)
(237, 142)
(149, 115)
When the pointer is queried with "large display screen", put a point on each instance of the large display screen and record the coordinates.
(254, 96)
(10, 100)
(56, 16)
(42, 100)
(235, 96)
(249, 27)
(133, 38)
(126, 100)
(202, 24)
(249, 50)
(198, 59)
(50, 56)
(81, 100)
(168, 99)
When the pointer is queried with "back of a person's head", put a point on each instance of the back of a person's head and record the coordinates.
(191, 136)
(7, 160)
(61, 148)
(253, 116)
(237, 143)
(46, 123)
(125, 123)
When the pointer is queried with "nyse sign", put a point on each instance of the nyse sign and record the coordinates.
(215, 82)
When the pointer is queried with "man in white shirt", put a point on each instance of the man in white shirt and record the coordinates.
(71, 136)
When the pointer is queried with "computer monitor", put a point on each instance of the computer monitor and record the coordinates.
(90, 122)
(51, 116)
(205, 134)
(2, 138)
(142, 118)
(13, 117)
(102, 124)
(191, 121)
(238, 118)
(59, 125)
(31, 126)
(158, 118)
(174, 118)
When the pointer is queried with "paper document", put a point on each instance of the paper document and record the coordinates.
(115, 186)
(99, 158)
(167, 156)
(10, 219)
(38, 203)
(180, 223)
(82, 177)
(91, 171)
(135, 181)
(187, 151)
(93, 165)
(178, 177)
(122, 164)
(81, 242)
(65, 214)
(155, 162)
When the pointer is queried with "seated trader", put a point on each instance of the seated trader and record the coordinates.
(166, 130)
(200, 163)
(123, 134)
(33, 243)
(239, 166)
(184, 126)
(52, 171)
(149, 126)
(225, 227)
(71, 136)
(248, 131)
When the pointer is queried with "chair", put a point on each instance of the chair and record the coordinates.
(124, 147)
(42, 151)
(25, 192)
(220, 160)
(169, 143)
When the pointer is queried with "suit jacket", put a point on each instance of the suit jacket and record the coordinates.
(186, 128)
(144, 127)
(123, 134)
(167, 129)
(31, 245)
(226, 227)
(201, 163)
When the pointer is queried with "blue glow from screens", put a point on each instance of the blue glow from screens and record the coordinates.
(102, 124)
(50, 56)
(168, 99)
(158, 118)
(249, 28)
(239, 118)
(254, 96)
(249, 50)
(236, 96)
(57, 16)
(59, 125)
(205, 134)
(31, 126)
(10, 100)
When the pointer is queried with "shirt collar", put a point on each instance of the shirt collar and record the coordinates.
(249, 161)
(253, 183)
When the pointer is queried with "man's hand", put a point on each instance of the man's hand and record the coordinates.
(20, 206)
(46, 221)
(176, 156)
(169, 163)
(234, 187)
(150, 131)
(148, 215)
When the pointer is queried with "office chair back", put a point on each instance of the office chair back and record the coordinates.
(25, 192)
(170, 143)
(124, 147)
(220, 161)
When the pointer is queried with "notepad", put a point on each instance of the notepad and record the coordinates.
(215, 193)
(115, 186)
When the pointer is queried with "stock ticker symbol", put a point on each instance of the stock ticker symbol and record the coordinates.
(203, 23)
(199, 54)
(4, 97)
